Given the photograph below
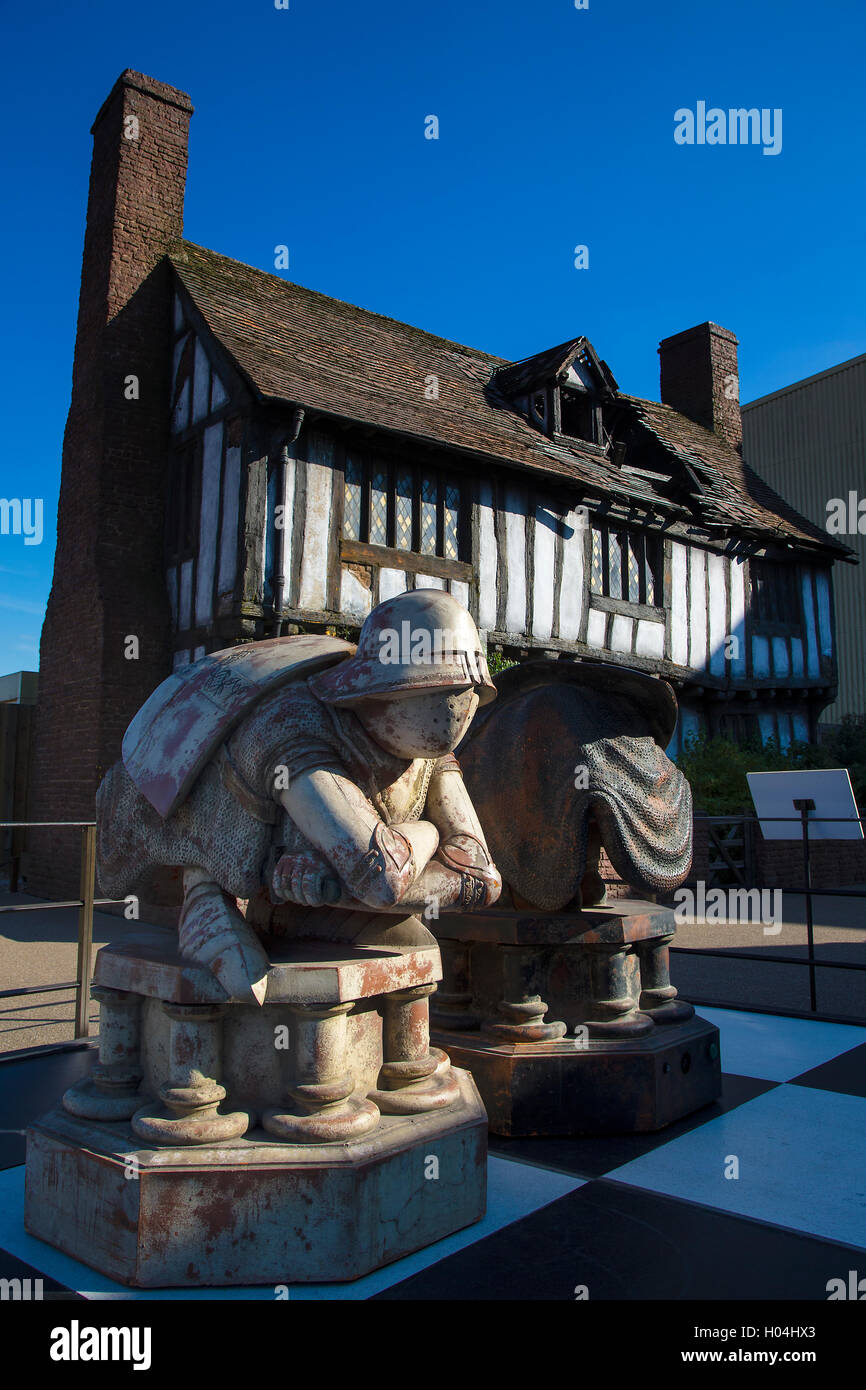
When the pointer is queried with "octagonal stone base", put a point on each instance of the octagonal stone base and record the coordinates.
(251, 1211)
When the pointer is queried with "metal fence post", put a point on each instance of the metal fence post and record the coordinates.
(85, 931)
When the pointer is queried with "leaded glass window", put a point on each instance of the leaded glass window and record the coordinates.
(403, 510)
(596, 573)
(352, 503)
(626, 565)
(429, 499)
(614, 565)
(451, 517)
(634, 548)
(379, 507)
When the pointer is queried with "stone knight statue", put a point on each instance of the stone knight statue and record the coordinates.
(305, 771)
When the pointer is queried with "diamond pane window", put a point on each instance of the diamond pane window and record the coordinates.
(634, 548)
(429, 498)
(451, 516)
(650, 569)
(596, 573)
(379, 507)
(352, 503)
(403, 511)
(614, 563)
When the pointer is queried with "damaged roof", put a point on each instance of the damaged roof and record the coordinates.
(297, 346)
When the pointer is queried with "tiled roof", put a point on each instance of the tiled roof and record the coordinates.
(295, 345)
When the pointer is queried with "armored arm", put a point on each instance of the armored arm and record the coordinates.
(383, 867)
(462, 846)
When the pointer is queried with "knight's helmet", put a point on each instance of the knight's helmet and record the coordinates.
(419, 641)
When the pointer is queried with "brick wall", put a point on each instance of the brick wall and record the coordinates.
(108, 573)
(779, 863)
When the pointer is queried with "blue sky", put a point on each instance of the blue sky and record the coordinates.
(555, 129)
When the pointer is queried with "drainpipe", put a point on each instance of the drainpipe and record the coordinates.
(280, 581)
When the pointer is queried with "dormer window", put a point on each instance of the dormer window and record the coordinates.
(579, 415)
(538, 408)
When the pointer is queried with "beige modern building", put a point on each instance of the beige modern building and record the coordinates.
(809, 442)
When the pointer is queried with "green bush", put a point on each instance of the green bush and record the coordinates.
(496, 662)
(717, 767)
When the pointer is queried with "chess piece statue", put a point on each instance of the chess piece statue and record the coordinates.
(586, 741)
(321, 774)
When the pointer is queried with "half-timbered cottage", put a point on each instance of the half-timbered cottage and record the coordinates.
(324, 458)
(285, 461)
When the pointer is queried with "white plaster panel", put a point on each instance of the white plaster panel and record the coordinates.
(796, 656)
(571, 590)
(737, 572)
(761, 656)
(219, 394)
(825, 631)
(650, 639)
(698, 611)
(515, 560)
(781, 661)
(801, 727)
(812, 664)
(317, 523)
(620, 633)
(596, 628)
(355, 598)
(716, 567)
(679, 609)
(428, 581)
(543, 565)
(460, 591)
(487, 559)
(767, 725)
(201, 380)
(391, 583)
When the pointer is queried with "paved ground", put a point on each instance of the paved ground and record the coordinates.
(39, 947)
(840, 935)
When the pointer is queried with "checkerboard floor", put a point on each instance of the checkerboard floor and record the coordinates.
(656, 1216)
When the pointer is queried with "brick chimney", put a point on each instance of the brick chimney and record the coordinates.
(699, 378)
(108, 583)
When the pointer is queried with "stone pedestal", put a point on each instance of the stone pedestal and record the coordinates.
(217, 1143)
(569, 1022)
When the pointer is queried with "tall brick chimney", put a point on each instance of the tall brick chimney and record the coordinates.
(108, 583)
(699, 378)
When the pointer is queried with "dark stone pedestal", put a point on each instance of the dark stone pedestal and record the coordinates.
(569, 1022)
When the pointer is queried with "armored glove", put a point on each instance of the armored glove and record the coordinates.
(480, 881)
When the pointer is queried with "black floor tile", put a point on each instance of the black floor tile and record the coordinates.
(624, 1244)
(845, 1073)
(13, 1268)
(30, 1087)
(592, 1157)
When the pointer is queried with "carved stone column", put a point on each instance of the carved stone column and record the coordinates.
(451, 1004)
(414, 1077)
(110, 1092)
(325, 1110)
(613, 1011)
(189, 1114)
(658, 996)
(522, 1011)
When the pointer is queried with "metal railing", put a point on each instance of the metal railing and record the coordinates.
(85, 904)
(810, 961)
